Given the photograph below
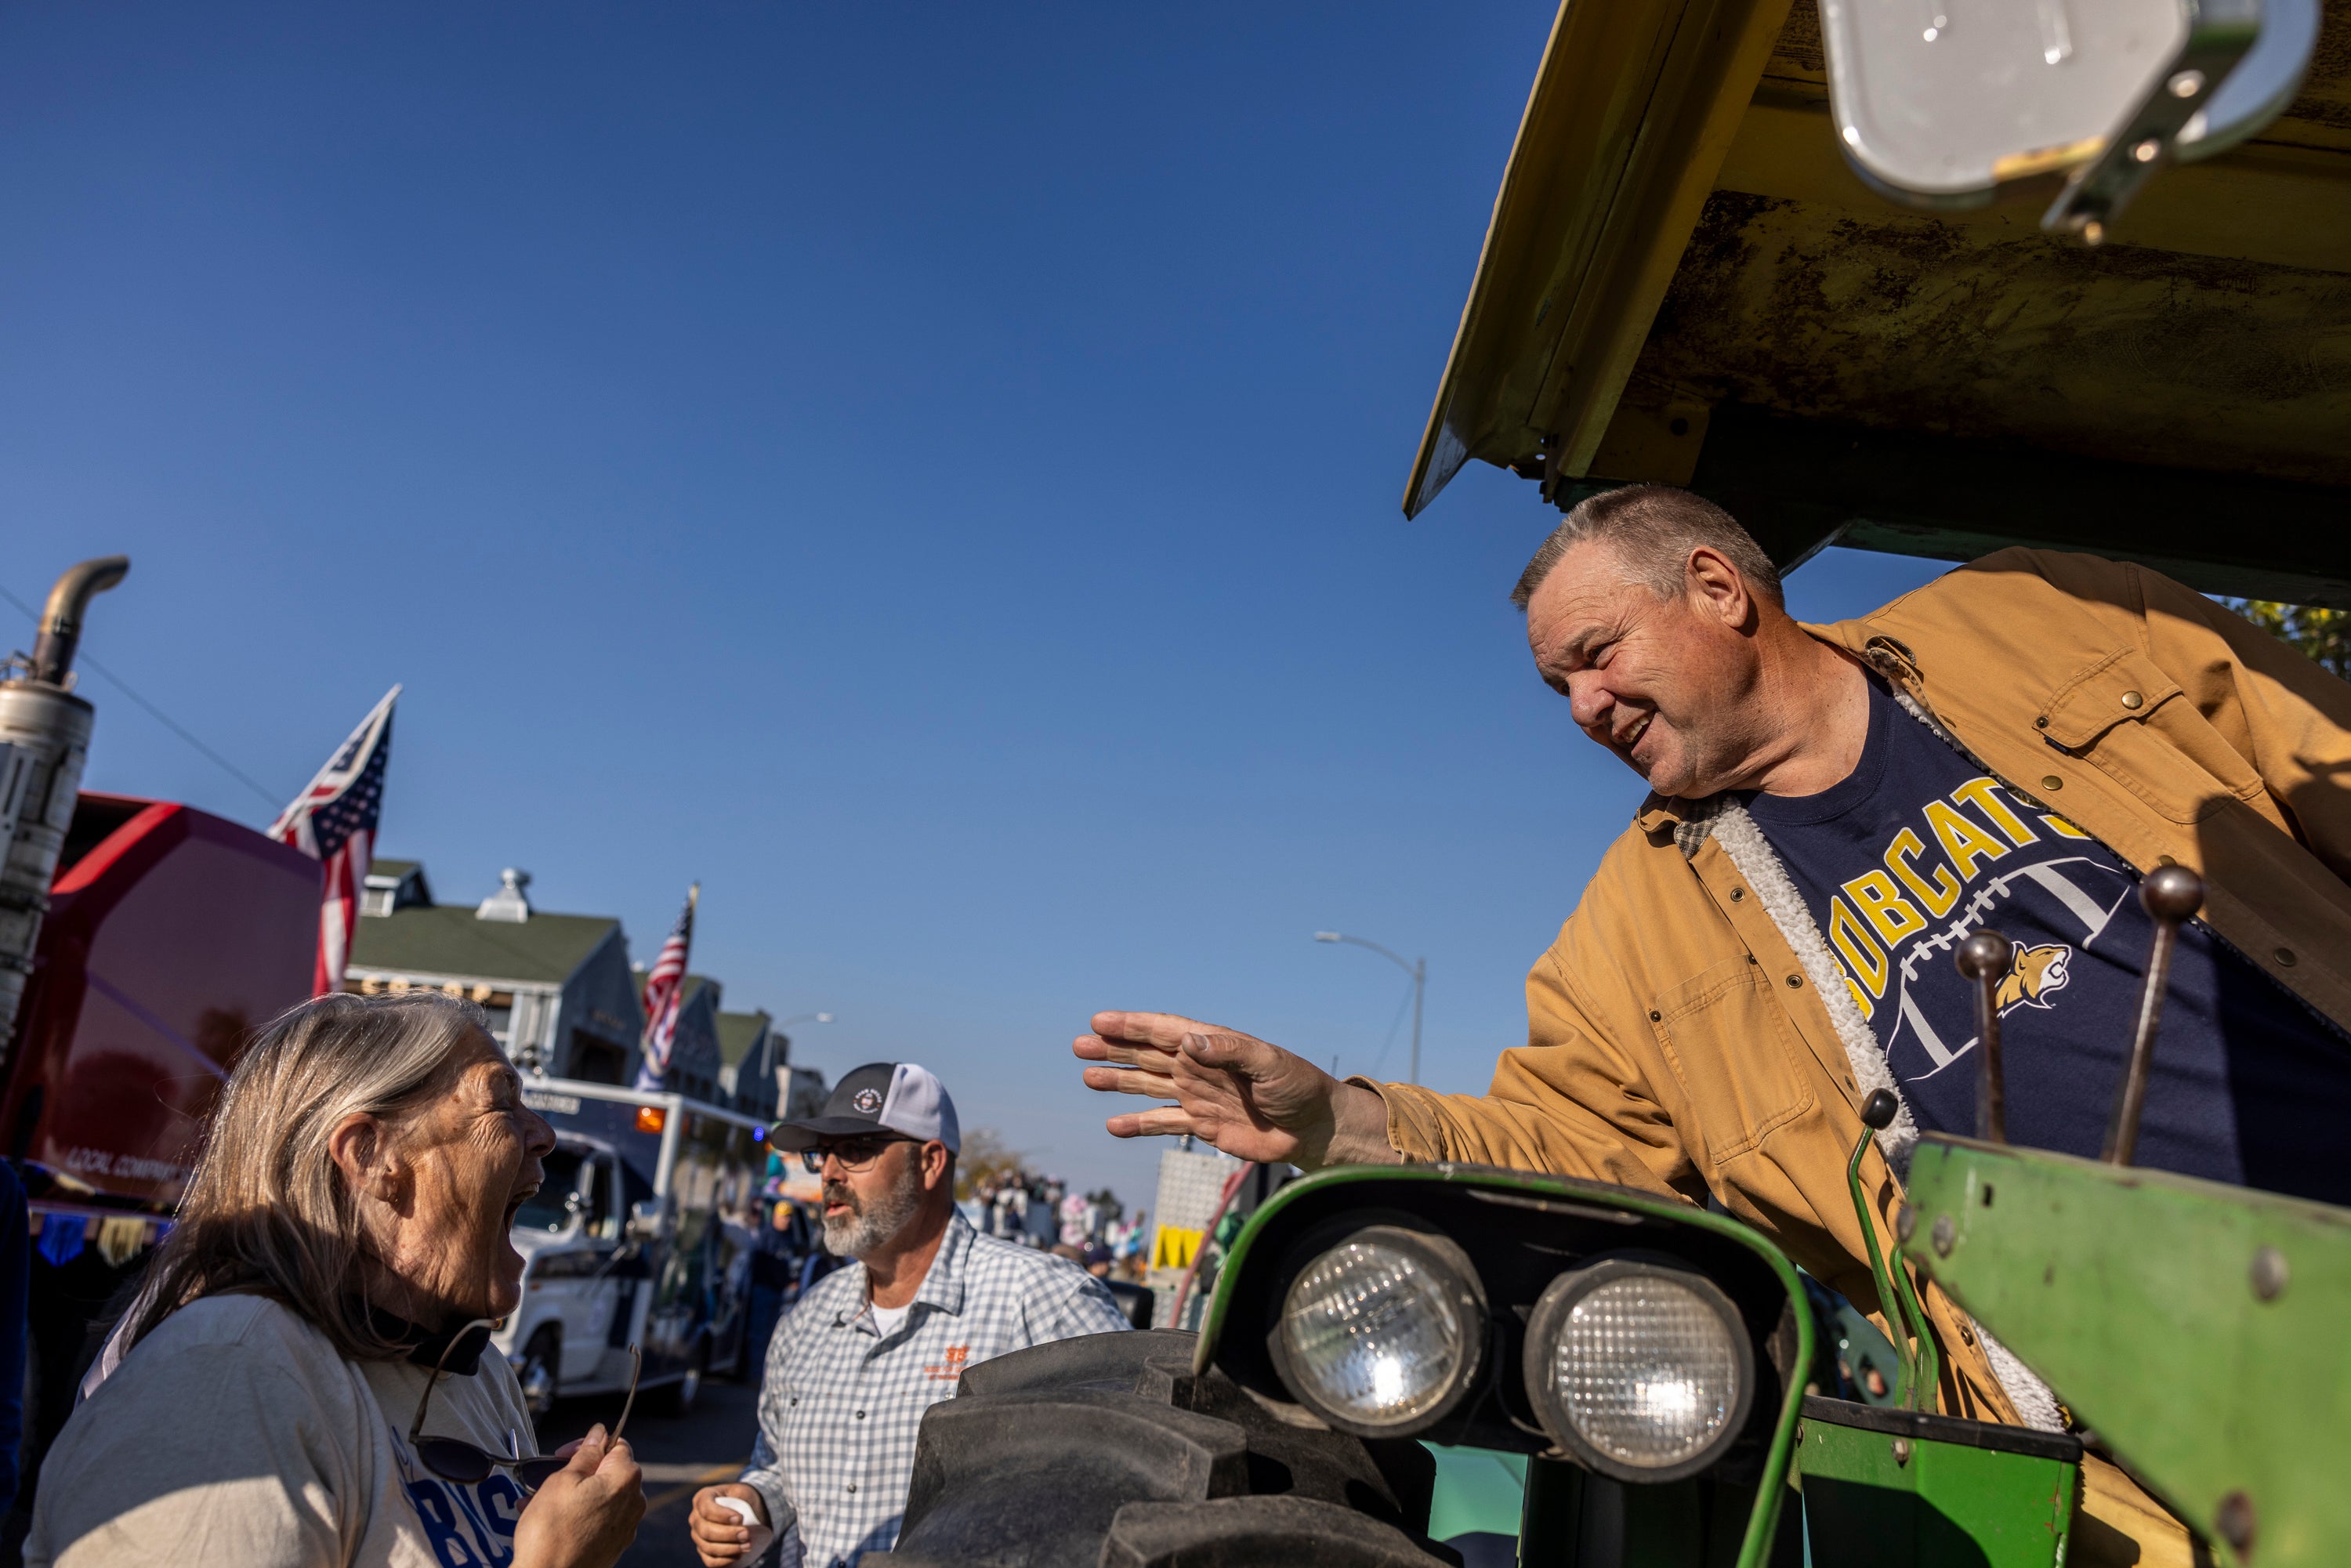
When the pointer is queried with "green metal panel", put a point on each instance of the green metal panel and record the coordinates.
(1478, 1489)
(1885, 1501)
(2197, 1328)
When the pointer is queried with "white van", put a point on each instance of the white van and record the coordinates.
(641, 1234)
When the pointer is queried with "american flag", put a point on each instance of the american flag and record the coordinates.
(334, 821)
(663, 987)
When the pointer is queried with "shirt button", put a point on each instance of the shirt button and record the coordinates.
(852, 1486)
(861, 1414)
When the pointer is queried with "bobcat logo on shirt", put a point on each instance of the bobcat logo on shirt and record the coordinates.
(2037, 972)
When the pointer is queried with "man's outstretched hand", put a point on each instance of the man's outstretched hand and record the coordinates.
(1253, 1101)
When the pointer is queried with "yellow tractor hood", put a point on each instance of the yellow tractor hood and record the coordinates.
(1684, 281)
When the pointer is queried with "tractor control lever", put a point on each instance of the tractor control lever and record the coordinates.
(1983, 959)
(1922, 1368)
(2171, 895)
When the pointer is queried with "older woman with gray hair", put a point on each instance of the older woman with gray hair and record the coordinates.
(305, 1383)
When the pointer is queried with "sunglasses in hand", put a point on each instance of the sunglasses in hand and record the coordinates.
(468, 1464)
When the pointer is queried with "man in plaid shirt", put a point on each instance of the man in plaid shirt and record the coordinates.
(852, 1368)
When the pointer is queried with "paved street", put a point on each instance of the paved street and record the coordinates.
(679, 1457)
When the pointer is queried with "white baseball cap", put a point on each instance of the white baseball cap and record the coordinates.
(892, 1096)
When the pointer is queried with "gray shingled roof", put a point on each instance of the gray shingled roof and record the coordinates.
(736, 1034)
(449, 940)
(394, 869)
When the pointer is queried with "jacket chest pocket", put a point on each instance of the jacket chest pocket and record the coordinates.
(1728, 1038)
(2131, 722)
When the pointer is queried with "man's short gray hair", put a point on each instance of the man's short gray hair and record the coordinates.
(1653, 528)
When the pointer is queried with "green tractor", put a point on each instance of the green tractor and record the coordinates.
(1898, 274)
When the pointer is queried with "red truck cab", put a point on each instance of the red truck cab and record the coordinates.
(171, 936)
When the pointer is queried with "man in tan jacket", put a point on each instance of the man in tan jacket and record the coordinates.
(1833, 808)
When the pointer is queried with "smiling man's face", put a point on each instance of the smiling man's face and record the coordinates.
(473, 1156)
(1667, 683)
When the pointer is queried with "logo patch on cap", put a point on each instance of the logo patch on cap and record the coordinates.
(867, 1100)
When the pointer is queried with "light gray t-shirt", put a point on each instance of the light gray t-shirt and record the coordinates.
(236, 1433)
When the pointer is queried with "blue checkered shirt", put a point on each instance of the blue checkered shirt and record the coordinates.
(842, 1405)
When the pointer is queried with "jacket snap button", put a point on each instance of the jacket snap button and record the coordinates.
(1795, 982)
(2052, 782)
(2285, 957)
(1737, 893)
(2040, 723)
(1657, 1017)
(2132, 699)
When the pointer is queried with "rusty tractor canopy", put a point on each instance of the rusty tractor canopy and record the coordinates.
(1683, 281)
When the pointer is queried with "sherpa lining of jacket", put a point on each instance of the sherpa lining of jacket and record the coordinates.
(1730, 823)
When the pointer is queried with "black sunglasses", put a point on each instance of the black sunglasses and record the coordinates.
(455, 1459)
(855, 1156)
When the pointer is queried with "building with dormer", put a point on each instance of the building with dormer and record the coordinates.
(558, 988)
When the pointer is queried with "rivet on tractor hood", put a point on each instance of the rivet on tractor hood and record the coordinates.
(1945, 1233)
(2270, 1273)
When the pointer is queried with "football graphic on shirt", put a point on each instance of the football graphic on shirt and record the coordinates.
(2037, 972)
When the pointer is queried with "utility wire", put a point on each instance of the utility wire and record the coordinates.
(158, 715)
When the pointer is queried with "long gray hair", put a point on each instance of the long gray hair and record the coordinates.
(268, 1211)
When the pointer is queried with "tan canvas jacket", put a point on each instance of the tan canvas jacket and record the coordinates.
(1676, 1041)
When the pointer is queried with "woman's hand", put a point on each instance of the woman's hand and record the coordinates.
(719, 1532)
(586, 1514)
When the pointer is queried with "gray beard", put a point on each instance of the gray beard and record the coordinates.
(868, 1228)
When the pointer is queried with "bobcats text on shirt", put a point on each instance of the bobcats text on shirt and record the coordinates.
(843, 1403)
(1919, 847)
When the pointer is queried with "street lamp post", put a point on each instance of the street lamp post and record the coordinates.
(1417, 969)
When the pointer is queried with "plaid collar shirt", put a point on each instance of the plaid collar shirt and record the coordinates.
(842, 1402)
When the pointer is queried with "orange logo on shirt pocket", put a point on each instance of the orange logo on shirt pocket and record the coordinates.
(957, 1355)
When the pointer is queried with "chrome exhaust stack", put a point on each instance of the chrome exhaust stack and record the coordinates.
(43, 741)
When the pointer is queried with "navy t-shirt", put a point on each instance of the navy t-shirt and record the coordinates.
(1920, 847)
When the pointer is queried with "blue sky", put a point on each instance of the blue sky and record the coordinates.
(930, 473)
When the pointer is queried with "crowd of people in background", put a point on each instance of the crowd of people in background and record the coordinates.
(1031, 1210)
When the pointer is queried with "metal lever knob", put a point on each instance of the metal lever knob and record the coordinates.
(2172, 895)
(1983, 958)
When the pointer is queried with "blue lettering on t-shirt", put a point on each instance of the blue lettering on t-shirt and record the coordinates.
(454, 1545)
(469, 1527)
(1919, 847)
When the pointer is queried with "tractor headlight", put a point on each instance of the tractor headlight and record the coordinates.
(1383, 1333)
(1642, 1370)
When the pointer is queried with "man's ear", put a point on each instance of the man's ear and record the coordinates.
(360, 1146)
(1716, 588)
(935, 1164)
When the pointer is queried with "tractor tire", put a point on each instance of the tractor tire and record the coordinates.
(1107, 1451)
